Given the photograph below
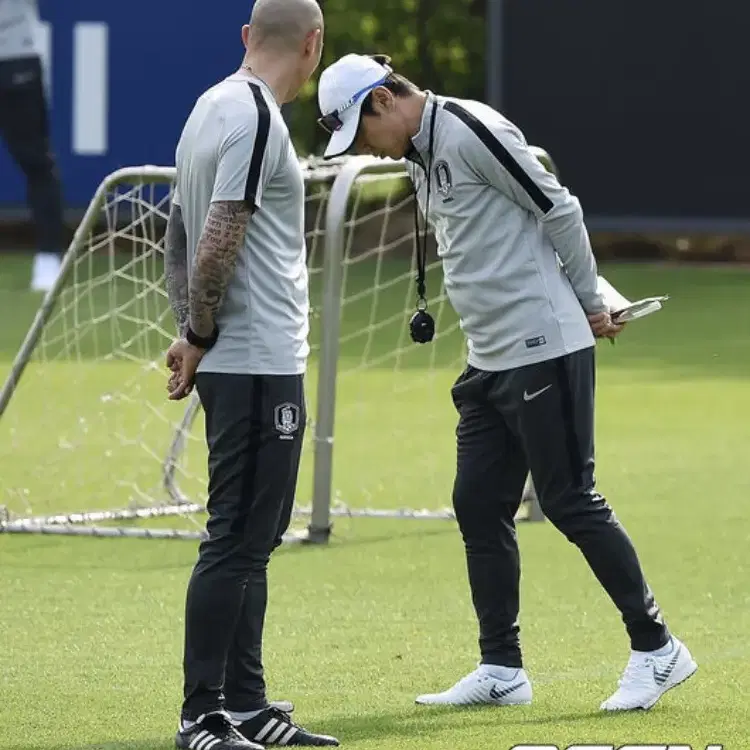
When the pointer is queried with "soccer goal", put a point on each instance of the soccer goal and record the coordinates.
(89, 443)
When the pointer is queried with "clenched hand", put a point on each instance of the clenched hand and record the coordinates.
(182, 359)
(602, 325)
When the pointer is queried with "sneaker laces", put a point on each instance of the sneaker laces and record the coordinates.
(219, 724)
(636, 674)
(276, 713)
(476, 676)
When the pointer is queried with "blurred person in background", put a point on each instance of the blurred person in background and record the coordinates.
(24, 127)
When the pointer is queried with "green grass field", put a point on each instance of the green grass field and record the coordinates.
(91, 629)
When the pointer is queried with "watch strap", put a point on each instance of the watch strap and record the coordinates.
(202, 342)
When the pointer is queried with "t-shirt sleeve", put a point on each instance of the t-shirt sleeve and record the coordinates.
(242, 170)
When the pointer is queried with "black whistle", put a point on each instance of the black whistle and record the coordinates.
(422, 327)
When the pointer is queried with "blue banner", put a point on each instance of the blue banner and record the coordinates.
(122, 77)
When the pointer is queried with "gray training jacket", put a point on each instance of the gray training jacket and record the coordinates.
(518, 265)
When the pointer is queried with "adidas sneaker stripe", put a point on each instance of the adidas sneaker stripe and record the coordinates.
(274, 730)
(288, 736)
(266, 729)
(204, 741)
(277, 732)
(198, 740)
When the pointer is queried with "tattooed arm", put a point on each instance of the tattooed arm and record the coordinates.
(215, 261)
(176, 268)
(241, 174)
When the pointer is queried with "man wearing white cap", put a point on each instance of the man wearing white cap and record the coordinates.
(520, 273)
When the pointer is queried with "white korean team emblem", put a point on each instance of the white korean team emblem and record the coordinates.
(444, 180)
(286, 418)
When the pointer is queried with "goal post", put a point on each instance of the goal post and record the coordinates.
(91, 446)
(338, 220)
(105, 307)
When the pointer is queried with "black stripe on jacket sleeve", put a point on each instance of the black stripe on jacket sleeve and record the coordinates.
(261, 141)
(543, 203)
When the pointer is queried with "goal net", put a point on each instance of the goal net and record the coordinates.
(89, 443)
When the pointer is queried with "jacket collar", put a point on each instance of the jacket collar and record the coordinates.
(420, 141)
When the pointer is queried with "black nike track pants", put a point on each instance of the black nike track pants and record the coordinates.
(24, 127)
(538, 418)
(254, 429)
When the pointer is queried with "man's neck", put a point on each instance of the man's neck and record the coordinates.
(274, 73)
(415, 112)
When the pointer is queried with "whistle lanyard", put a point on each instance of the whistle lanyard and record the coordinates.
(420, 235)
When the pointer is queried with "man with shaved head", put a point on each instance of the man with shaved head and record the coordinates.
(237, 281)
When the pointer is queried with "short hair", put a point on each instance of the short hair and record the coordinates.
(397, 84)
(284, 22)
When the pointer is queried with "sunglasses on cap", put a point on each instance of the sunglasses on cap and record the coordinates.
(333, 122)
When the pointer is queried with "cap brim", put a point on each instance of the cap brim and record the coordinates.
(342, 140)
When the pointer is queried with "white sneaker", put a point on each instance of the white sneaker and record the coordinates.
(45, 271)
(481, 686)
(647, 677)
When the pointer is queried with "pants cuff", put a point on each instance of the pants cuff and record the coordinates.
(650, 642)
(243, 705)
(503, 659)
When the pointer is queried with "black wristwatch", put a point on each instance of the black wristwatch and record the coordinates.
(202, 342)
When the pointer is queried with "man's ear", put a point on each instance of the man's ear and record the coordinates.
(245, 34)
(382, 100)
(312, 40)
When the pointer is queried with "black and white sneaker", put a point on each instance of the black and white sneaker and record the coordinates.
(274, 727)
(213, 731)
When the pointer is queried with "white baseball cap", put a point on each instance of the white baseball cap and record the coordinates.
(342, 88)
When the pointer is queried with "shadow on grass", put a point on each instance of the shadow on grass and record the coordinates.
(420, 722)
(162, 743)
(407, 724)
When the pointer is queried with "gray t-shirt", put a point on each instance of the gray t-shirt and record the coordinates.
(19, 29)
(235, 146)
(517, 261)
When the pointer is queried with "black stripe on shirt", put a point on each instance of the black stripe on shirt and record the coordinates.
(259, 149)
(543, 203)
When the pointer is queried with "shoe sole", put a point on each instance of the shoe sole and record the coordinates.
(468, 705)
(180, 744)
